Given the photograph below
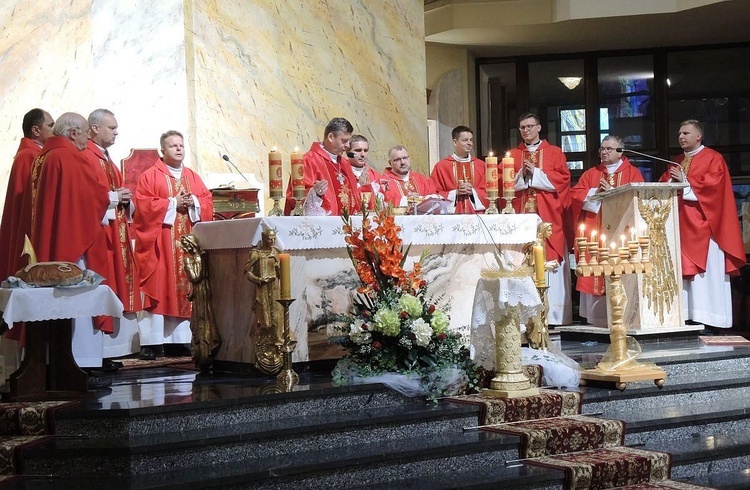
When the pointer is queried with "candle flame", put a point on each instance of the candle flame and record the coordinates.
(491, 154)
(507, 154)
(296, 149)
(273, 149)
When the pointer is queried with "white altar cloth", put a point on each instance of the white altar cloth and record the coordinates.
(39, 304)
(320, 232)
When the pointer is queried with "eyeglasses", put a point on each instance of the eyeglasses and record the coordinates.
(528, 126)
(607, 150)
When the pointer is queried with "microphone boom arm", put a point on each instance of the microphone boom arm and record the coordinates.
(646, 155)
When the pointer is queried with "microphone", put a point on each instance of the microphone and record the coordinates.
(620, 150)
(233, 166)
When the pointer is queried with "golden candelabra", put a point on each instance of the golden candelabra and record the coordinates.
(287, 378)
(509, 195)
(299, 197)
(492, 196)
(619, 365)
(276, 210)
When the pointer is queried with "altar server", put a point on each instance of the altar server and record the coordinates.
(460, 177)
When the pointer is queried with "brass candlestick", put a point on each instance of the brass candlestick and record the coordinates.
(299, 197)
(276, 210)
(287, 378)
(543, 343)
(509, 196)
(492, 196)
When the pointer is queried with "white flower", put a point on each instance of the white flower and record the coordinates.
(358, 334)
(422, 331)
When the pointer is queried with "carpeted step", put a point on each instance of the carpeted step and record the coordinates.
(558, 435)
(548, 403)
(664, 485)
(608, 467)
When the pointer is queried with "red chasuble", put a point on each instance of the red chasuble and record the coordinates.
(119, 268)
(625, 174)
(158, 255)
(713, 215)
(552, 206)
(448, 172)
(342, 184)
(16, 220)
(417, 185)
(68, 206)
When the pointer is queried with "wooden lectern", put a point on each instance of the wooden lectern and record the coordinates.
(654, 300)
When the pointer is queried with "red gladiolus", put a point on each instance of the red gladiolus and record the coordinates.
(431, 309)
(376, 345)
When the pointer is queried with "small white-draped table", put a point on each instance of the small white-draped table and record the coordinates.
(457, 248)
(48, 369)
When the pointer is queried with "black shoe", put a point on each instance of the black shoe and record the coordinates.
(177, 350)
(97, 382)
(110, 366)
(147, 354)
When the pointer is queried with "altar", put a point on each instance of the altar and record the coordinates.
(456, 249)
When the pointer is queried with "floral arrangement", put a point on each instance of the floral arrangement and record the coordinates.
(397, 334)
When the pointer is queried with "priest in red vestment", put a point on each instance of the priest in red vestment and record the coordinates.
(330, 184)
(119, 268)
(461, 178)
(712, 248)
(614, 170)
(169, 199)
(367, 177)
(69, 204)
(16, 222)
(401, 183)
(543, 187)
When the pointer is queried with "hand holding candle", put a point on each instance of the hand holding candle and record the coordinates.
(286, 276)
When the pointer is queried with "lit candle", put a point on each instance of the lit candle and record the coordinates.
(582, 230)
(622, 240)
(275, 183)
(613, 246)
(539, 264)
(298, 174)
(286, 276)
(491, 175)
(632, 234)
(509, 185)
(593, 236)
(604, 241)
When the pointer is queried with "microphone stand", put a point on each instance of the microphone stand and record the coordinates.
(620, 150)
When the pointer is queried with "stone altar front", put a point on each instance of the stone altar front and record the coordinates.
(323, 277)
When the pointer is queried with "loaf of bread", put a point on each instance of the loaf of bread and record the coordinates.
(46, 274)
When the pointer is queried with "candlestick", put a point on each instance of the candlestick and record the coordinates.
(492, 184)
(286, 276)
(287, 378)
(298, 181)
(582, 230)
(539, 275)
(581, 242)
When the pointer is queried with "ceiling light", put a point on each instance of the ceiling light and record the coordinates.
(570, 82)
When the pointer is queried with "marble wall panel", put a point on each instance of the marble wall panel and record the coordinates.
(272, 73)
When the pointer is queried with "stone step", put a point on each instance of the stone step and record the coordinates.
(248, 442)
(738, 479)
(128, 424)
(708, 387)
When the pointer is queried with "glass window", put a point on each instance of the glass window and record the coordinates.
(625, 99)
(713, 86)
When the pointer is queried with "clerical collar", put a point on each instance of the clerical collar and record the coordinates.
(694, 152)
(405, 178)
(176, 172)
(358, 170)
(612, 167)
(465, 159)
(533, 146)
(334, 158)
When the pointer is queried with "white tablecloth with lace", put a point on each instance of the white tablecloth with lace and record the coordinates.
(321, 232)
(39, 304)
(493, 300)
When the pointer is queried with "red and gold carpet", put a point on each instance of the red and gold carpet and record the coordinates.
(24, 425)
(664, 485)
(608, 467)
(558, 435)
(547, 404)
